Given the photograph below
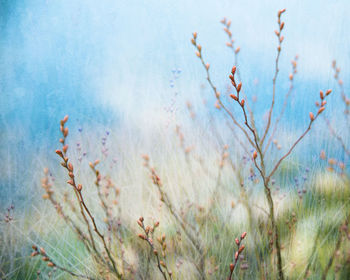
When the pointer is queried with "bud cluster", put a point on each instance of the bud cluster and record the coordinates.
(227, 24)
(147, 235)
(41, 251)
(240, 248)
(320, 104)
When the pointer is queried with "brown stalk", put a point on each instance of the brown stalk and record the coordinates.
(149, 240)
(237, 254)
(280, 40)
(50, 263)
(216, 93)
(255, 139)
(192, 237)
(262, 172)
(285, 103)
(230, 44)
(78, 191)
(50, 196)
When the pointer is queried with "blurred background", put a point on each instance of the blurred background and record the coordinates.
(125, 72)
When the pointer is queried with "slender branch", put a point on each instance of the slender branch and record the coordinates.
(52, 264)
(77, 190)
(280, 40)
(285, 103)
(216, 93)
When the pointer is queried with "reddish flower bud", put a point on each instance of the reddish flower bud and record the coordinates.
(241, 249)
(311, 116)
(321, 94)
(142, 236)
(282, 25)
(233, 71)
(234, 97)
(239, 87)
(321, 110)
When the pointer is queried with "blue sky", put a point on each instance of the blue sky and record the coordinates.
(112, 60)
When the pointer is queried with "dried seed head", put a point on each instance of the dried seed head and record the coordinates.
(232, 267)
(237, 241)
(237, 50)
(79, 187)
(194, 35)
(50, 264)
(59, 152)
(42, 251)
(207, 66)
(34, 247)
(242, 102)
(255, 155)
(243, 235)
(328, 92)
